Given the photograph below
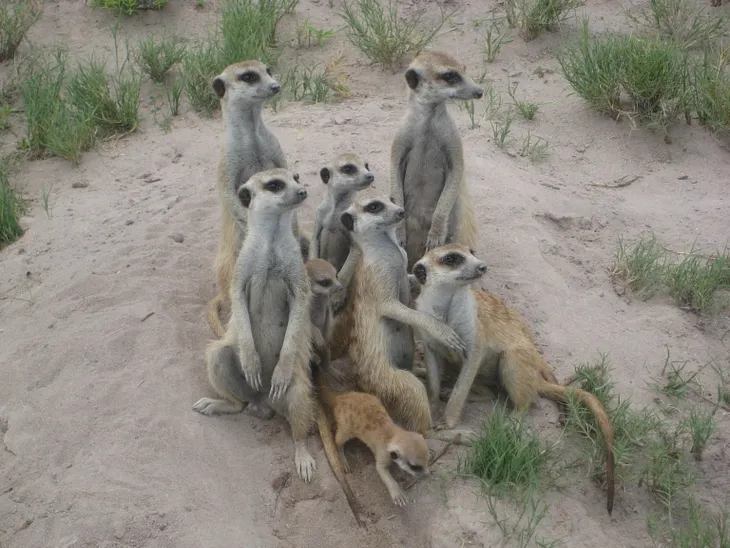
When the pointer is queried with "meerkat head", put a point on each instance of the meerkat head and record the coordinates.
(322, 277)
(245, 83)
(372, 214)
(434, 77)
(452, 264)
(347, 172)
(410, 452)
(274, 191)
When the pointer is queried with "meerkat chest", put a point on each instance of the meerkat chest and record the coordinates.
(455, 310)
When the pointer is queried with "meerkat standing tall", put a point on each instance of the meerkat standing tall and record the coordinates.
(250, 147)
(345, 176)
(263, 359)
(427, 175)
(500, 345)
(376, 328)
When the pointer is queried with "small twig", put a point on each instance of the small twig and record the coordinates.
(147, 316)
(618, 183)
(431, 463)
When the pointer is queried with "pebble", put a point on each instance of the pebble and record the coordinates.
(80, 184)
(177, 237)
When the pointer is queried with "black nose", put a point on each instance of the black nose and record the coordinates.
(482, 268)
(302, 192)
(276, 88)
(370, 177)
(478, 94)
(400, 213)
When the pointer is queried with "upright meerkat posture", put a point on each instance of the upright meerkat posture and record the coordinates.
(263, 359)
(427, 175)
(375, 329)
(362, 416)
(345, 176)
(250, 147)
(500, 345)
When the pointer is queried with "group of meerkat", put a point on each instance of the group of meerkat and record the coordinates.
(377, 276)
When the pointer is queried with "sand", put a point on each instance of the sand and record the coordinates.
(102, 325)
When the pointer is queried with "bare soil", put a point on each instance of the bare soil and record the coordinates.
(102, 325)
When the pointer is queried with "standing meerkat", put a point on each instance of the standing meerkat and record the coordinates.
(500, 344)
(346, 175)
(362, 416)
(250, 147)
(375, 330)
(263, 358)
(427, 175)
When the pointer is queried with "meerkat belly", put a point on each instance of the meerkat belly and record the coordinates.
(423, 183)
(399, 341)
(269, 312)
(337, 247)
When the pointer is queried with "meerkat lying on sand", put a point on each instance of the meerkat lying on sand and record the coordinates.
(427, 170)
(263, 358)
(500, 345)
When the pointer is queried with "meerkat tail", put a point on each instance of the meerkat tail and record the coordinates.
(328, 441)
(559, 392)
(215, 307)
(468, 231)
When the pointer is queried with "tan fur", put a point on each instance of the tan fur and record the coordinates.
(241, 158)
(428, 173)
(362, 416)
(501, 345)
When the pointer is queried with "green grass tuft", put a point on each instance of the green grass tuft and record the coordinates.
(16, 18)
(156, 58)
(129, 7)
(11, 205)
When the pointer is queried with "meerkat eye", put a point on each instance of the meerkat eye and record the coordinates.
(348, 169)
(373, 207)
(275, 185)
(452, 77)
(366, 166)
(416, 467)
(393, 455)
(325, 283)
(452, 259)
(249, 77)
(471, 251)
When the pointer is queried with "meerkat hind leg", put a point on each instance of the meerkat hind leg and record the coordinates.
(224, 375)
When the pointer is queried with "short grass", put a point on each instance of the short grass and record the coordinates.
(382, 34)
(534, 17)
(11, 205)
(68, 110)
(157, 56)
(696, 281)
(16, 18)
(246, 30)
(129, 7)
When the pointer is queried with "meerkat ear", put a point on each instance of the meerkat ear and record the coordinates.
(393, 455)
(244, 195)
(419, 271)
(392, 201)
(219, 86)
(324, 174)
(348, 221)
(412, 78)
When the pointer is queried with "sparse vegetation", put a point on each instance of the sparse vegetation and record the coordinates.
(16, 18)
(156, 58)
(11, 205)
(308, 36)
(382, 35)
(534, 148)
(694, 282)
(128, 7)
(494, 40)
(526, 109)
(533, 17)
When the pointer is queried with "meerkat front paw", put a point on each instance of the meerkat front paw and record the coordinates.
(281, 379)
(399, 498)
(251, 368)
(305, 464)
(435, 238)
(453, 342)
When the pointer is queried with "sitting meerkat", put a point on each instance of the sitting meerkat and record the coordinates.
(263, 359)
(500, 344)
(362, 416)
(427, 174)
(250, 147)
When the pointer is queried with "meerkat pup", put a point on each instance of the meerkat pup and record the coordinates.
(250, 147)
(362, 416)
(500, 344)
(345, 176)
(376, 328)
(427, 175)
(263, 358)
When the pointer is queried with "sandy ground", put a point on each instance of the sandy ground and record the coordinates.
(102, 325)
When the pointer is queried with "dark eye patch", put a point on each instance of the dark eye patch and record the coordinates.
(274, 185)
(452, 259)
(324, 283)
(268, 71)
(348, 169)
(452, 77)
(249, 77)
(416, 468)
(393, 455)
(374, 207)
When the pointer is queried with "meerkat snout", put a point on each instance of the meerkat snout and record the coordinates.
(302, 193)
(400, 213)
(276, 88)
